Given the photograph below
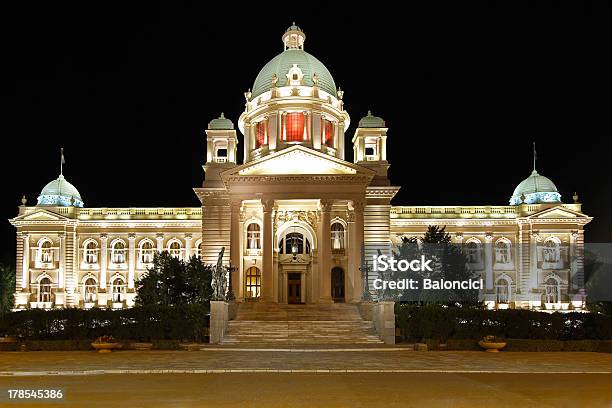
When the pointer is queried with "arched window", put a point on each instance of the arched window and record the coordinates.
(91, 252)
(337, 236)
(253, 236)
(90, 290)
(175, 249)
(551, 251)
(502, 252)
(44, 290)
(294, 243)
(502, 290)
(45, 251)
(553, 291)
(252, 283)
(473, 252)
(118, 290)
(200, 247)
(146, 252)
(118, 252)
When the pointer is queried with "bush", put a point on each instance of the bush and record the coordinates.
(443, 323)
(186, 322)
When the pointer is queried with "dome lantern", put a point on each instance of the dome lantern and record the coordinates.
(294, 38)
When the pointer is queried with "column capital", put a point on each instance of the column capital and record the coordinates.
(357, 205)
(326, 205)
(488, 236)
(103, 237)
(159, 236)
(235, 204)
(131, 236)
(267, 204)
(188, 237)
(24, 235)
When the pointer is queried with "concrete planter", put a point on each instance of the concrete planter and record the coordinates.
(492, 347)
(105, 347)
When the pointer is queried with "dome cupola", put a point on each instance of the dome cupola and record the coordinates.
(294, 100)
(60, 193)
(535, 189)
(371, 121)
(221, 123)
(293, 66)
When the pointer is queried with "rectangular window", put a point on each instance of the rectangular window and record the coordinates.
(260, 137)
(294, 127)
(327, 133)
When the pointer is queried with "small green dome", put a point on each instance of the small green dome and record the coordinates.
(60, 192)
(221, 123)
(535, 189)
(284, 61)
(371, 121)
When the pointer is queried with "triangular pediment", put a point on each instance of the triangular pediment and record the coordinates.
(40, 215)
(558, 212)
(297, 160)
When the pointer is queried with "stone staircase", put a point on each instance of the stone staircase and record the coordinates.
(264, 324)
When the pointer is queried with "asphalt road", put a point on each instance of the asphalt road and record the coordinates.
(321, 390)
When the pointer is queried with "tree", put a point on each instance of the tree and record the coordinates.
(171, 282)
(7, 288)
(448, 263)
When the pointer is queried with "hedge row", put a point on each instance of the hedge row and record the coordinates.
(435, 322)
(147, 323)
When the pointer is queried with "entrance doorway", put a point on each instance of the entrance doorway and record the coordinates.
(337, 284)
(252, 281)
(294, 288)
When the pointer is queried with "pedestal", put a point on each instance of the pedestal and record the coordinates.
(219, 316)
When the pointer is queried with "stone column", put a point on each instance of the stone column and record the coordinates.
(160, 242)
(188, 240)
(267, 254)
(533, 261)
(325, 251)
(352, 250)
(25, 267)
(62, 261)
(131, 260)
(488, 261)
(103, 260)
(235, 249)
(358, 207)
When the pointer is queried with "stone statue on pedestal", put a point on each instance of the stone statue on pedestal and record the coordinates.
(219, 281)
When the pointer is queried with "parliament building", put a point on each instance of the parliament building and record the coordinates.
(295, 216)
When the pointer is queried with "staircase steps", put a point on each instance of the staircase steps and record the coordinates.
(274, 324)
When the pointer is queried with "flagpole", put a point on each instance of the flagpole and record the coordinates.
(534, 157)
(61, 161)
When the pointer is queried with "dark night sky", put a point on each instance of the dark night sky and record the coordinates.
(127, 91)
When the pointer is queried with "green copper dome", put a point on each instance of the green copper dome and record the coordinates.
(61, 193)
(371, 121)
(535, 189)
(284, 61)
(221, 123)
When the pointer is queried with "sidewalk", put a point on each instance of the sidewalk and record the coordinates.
(221, 361)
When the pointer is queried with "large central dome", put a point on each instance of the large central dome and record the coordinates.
(294, 54)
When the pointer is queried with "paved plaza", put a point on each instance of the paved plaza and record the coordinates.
(313, 378)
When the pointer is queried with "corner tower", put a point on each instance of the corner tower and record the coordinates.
(294, 100)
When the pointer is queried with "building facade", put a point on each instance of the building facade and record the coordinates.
(295, 216)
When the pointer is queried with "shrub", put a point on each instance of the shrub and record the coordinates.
(436, 322)
(185, 322)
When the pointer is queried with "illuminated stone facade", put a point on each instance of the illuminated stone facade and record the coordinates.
(295, 215)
